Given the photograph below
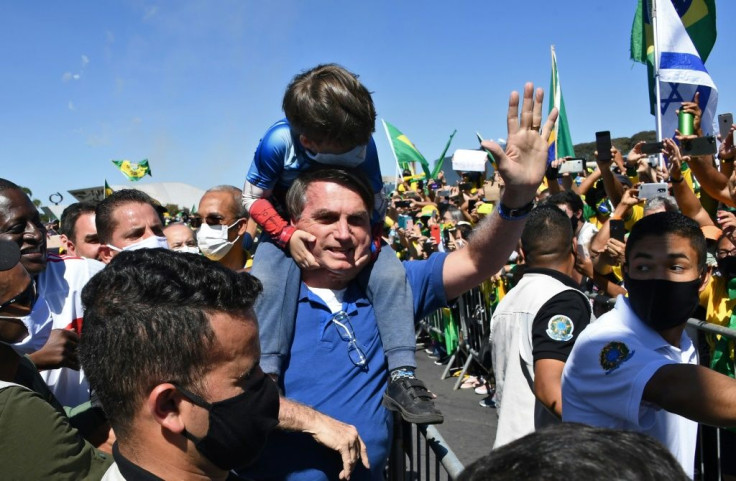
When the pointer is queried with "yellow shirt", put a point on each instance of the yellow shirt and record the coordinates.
(636, 213)
(718, 307)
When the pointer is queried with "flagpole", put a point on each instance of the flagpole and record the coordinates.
(553, 94)
(391, 144)
(656, 72)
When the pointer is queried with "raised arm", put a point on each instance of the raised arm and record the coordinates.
(685, 197)
(522, 168)
(695, 392)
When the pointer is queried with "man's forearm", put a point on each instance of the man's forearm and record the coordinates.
(294, 416)
(712, 181)
(695, 392)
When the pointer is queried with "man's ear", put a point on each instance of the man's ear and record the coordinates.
(68, 245)
(164, 406)
(243, 226)
(106, 254)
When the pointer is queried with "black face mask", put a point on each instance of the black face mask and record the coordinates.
(662, 304)
(727, 266)
(239, 425)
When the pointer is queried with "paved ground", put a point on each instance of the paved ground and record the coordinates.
(469, 429)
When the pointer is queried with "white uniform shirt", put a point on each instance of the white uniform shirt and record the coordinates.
(605, 376)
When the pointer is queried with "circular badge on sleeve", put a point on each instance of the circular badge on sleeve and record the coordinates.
(613, 355)
(559, 328)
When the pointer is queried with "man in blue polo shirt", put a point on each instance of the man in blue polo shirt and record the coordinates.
(336, 362)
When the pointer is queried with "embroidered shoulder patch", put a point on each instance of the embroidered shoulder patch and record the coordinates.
(613, 355)
(560, 328)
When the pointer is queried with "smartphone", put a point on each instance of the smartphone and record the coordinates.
(434, 232)
(618, 231)
(572, 166)
(725, 121)
(647, 191)
(651, 148)
(443, 193)
(403, 203)
(464, 185)
(603, 145)
(403, 221)
(427, 246)
(699, 146)
(471, 204)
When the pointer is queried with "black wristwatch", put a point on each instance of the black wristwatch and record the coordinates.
(508, 213)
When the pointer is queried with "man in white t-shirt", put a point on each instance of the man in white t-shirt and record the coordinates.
(636, 368)
(55, 322)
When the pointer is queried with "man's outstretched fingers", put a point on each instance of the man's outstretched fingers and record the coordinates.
(512, 119)
(549, 124)
(537, 112)
(527, 106)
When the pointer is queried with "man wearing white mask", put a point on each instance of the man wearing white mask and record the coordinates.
(224, 224)
(181, 238)
(127, 220)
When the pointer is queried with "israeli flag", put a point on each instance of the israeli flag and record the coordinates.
(681, 72)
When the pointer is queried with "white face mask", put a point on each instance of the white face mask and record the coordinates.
(187, 249)
(148, 243)
(38, 324)
(212, 240)
(351, 158)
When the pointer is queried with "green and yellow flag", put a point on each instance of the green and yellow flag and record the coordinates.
(404, 150)
(440, 161)
(133, 170)
(699, 19)
(108, 190)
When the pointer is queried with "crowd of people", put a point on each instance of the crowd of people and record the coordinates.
(271, 334)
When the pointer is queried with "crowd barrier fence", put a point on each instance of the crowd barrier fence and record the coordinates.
(472, 315)
(420, 453)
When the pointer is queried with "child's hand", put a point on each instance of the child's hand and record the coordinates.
(299, 248)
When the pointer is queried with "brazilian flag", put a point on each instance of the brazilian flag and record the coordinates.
(108, 190)
(133, 170)
(404, 150)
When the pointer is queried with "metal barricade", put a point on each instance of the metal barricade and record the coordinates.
(474, 318)
(419, 452)
(709, 438)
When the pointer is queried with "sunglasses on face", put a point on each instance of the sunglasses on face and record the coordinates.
(22, 304)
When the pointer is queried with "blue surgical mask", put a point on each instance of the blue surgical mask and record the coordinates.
(351, 158)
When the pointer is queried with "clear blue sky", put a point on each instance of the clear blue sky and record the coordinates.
(191, 85)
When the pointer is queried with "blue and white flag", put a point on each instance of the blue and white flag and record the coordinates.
(681, 72)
